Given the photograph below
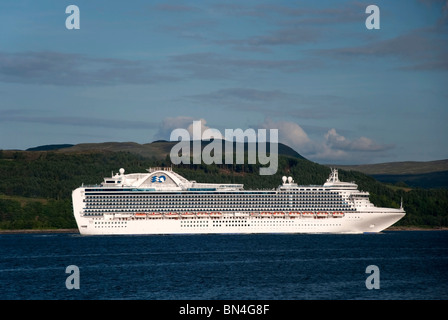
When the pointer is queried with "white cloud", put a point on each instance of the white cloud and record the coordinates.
(205, 132)
(289, 133)
(336, 141)
(332, 147)
(336, 148)
(185, 122)
(171, 123)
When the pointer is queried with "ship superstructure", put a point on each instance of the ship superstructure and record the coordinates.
(163, 202)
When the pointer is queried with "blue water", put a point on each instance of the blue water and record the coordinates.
(412, 265)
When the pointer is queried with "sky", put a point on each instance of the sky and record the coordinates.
(336, 91)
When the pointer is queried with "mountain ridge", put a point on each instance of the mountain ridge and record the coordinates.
(416, 174)
(158, 149)
(398, 167)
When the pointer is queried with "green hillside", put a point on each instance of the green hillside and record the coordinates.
(36, 186)
(398, 168)
(158, 149)
(415, 174)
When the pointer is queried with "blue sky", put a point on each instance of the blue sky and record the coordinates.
(135, 70)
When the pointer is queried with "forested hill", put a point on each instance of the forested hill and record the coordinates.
(415, 174)
(159, 149)
(36, 186)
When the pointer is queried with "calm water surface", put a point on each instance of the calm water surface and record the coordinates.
(412, 265)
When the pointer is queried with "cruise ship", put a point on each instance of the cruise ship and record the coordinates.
(163, 202)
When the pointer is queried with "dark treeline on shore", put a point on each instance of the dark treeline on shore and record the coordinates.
(35, 187)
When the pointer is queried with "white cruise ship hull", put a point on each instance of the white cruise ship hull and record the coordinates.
(372, 222)
(119, 224)
(118, 209)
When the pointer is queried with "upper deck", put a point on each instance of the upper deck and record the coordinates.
(164, 179)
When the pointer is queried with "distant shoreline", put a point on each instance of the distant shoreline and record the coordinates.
(25, 231)
(40, 231)
(404, 228)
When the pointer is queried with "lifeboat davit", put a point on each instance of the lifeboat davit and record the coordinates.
(307, 214)
(322, 214)
(338, 214)
(202, 214)
(171, 215)
(140, 214)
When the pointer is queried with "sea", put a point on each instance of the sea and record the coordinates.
(392, 265)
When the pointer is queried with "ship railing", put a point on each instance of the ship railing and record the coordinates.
(154, 169)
